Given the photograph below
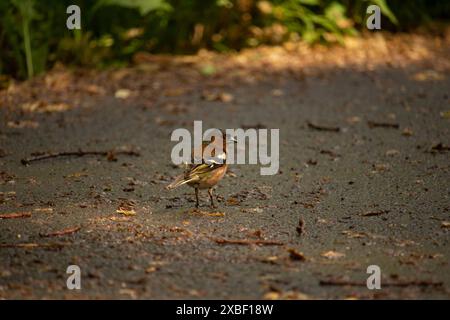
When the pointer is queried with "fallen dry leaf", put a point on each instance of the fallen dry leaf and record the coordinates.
(7, 196)
(288, 295)
(445, 224)
(126, 211)
(43, 107)
(122, 93)
(272, 295)
(277, 92)
(380, 167)
(353, 234)
(252, 210)
(155, 266)
(151, 269)
(31, 106)
(119, 219)
(332, 254)
(222, 96)
(130, 292)
(232, 201)
(94, 89)
(226, 97)
(57, 107)
(76, 175)
(407, 132)
(231, 174)
(353, 120)
(22, 124)
(164, 122)
(428, 75)
(392, 152)
(216, 214)
(271, 259)
(196, 211)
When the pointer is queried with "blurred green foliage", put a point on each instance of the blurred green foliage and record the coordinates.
(33, 33)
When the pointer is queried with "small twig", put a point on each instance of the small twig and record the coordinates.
(374, 213)
(373, 124)
(440, 147)
(295, 255)
(248, 242)
(32, 245)
(300, 227)
(61, 232)
(15, 215)
(417, 283)
(330, 153)
(332, 282)
(80, 153)
(322, 128)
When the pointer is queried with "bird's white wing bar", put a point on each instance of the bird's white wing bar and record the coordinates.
(220, 159)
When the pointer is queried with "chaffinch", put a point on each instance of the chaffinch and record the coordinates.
(208, 173)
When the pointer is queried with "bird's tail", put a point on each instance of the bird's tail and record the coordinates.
(180, 180)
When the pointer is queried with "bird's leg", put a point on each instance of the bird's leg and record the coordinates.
(210, 192)
(196, 198)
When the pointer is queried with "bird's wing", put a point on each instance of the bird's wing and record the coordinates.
(195, 173)
(180, 180)
(203, 168)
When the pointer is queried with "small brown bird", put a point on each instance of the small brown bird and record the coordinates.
(208, 173)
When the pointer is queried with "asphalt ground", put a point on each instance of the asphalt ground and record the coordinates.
(364, 180)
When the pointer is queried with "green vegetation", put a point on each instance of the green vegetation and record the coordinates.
(33, 34)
